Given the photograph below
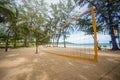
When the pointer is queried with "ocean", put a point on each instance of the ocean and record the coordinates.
(87, 45)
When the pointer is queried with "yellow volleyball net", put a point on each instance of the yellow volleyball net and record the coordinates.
(79, 45)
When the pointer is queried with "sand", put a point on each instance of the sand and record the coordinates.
(24, 64)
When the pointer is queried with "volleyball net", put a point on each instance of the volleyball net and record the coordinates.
(78, 44)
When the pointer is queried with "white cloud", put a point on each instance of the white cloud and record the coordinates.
(52, 1)
(103, 38)
(80, 37)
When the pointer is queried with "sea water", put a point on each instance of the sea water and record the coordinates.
(104, 45)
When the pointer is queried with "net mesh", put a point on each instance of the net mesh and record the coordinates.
(79, 44)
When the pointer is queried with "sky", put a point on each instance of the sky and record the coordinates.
(51, 1)
(80, 37)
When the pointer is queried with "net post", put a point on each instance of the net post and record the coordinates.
(95, 59)
(95, 34)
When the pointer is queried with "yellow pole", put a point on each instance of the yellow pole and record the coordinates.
(95, 34)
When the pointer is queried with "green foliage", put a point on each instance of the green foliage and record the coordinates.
(8, 12)
(85, 25)
(61, 13)
(107, 14)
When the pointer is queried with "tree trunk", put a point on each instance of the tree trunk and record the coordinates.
(53, 43)
(6, 45)
(118, 34)
(113, 38)
(15, 41)
(26, 44)
(99, 48)
(36, 46)
(58, 39)
(111, 27)
(64, 42)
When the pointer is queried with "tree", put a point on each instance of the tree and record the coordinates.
(107, 13)
(61, 12)
(86, 26)
(8, 16)
(64, 33)
(3, 35)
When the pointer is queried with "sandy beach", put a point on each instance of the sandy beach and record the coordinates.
(24, 64)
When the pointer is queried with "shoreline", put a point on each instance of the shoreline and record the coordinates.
(77, 46)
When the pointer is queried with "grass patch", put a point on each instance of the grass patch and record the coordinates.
(18, 45)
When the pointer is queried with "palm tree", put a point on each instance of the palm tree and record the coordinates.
(61, 12)
(7, 15)
(85, 25)
(107, 13)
